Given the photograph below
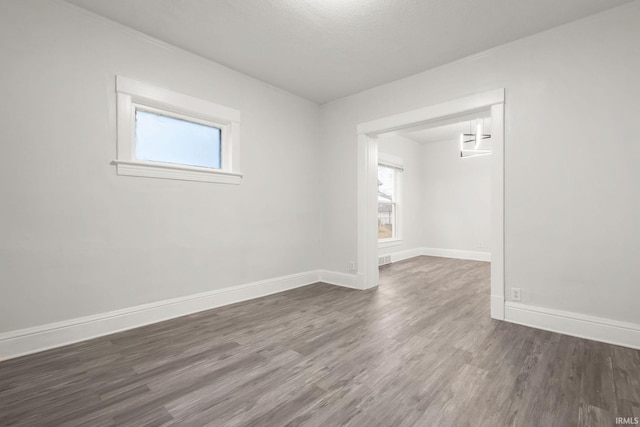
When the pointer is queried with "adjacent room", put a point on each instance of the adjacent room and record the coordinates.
(434, 190)
(319, 213)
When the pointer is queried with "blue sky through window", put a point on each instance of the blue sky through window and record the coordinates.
(167, 139)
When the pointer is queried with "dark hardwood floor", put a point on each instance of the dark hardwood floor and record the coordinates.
(419, 350)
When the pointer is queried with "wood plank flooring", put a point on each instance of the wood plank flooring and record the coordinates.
(420, 350)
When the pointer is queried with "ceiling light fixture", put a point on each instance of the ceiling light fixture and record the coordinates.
(471, 144)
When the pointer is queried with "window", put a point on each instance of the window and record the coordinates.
(165, 134)
(167, 139)
(389, 195)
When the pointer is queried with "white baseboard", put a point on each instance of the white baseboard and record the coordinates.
(445, 253)
(39, 338)
(574, 324)
(402, 255)
(455, 253)
(339, 279)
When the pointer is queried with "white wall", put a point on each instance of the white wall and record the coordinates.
(410, 153)
(456, 205)
(75, 238)
(571, 160)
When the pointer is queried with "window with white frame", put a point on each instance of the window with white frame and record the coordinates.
(166, 134)
(389, 199)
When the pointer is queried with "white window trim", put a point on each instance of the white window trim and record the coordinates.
(396, 163)
(132, 94)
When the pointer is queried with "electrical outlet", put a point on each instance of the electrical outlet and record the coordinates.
(515, 294)
(353, 267)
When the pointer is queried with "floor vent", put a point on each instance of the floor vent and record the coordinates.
(386, 259)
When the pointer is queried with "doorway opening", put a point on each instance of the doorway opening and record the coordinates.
(485, 109)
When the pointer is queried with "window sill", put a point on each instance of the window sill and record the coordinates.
(389, 243)
(177, 172)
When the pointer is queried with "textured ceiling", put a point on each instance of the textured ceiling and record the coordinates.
(327, 49)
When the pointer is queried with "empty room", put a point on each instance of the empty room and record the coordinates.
(319, 213)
